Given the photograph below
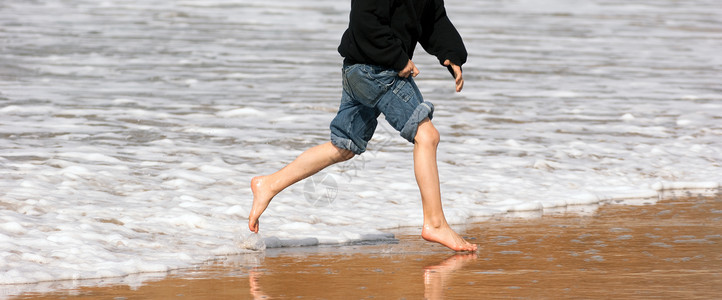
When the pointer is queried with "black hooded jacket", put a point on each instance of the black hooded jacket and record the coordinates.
(385, 33)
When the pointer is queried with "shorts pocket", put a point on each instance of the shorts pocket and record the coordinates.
(368, 83)
(404, 91)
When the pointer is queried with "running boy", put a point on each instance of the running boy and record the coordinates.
(378, 78)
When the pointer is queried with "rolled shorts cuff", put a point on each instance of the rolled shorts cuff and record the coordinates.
(423, 111)
(346, 144)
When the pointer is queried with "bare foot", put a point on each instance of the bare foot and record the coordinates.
(446, 236)
(261, 198)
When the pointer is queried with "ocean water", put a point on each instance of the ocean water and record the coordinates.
(129, 130)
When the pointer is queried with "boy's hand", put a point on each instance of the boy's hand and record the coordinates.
(409, 70)
(457, 75)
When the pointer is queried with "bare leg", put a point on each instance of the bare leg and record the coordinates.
(435, 229)
(311, 161)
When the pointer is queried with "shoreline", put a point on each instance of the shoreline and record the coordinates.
(668, 249)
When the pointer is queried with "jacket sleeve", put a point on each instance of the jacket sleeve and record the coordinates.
(440, 38)
(371, 26)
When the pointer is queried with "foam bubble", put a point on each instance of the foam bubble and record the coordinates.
(251, 241)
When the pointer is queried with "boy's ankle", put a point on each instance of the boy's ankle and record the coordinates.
(434, 224)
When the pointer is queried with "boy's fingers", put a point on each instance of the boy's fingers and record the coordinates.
(409, 70)
(459, 78)
(457, 75)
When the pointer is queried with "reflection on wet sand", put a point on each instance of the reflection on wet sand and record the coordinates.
(256, 291)
(436, 276)
(671, 249)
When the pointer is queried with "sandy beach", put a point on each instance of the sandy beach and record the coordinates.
(671, 249)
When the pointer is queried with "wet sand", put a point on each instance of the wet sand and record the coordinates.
(670, 250)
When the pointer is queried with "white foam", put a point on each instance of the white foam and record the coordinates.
(659, 186)
(246, 111)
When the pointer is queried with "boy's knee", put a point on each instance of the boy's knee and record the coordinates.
(427, 135)
(344, 155)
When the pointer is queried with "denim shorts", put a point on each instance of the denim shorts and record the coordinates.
(368, 91)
